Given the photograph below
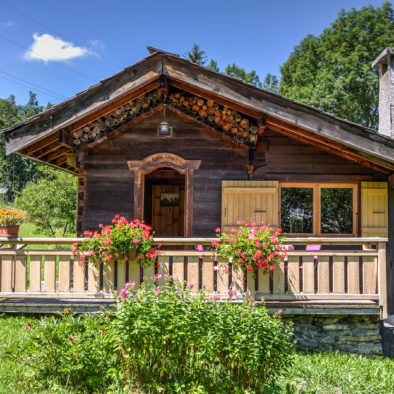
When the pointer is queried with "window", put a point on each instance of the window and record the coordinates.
(318, 209)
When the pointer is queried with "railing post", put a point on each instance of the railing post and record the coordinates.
(382, 280)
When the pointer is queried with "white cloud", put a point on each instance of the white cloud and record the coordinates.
(48, 48)
(7, 23)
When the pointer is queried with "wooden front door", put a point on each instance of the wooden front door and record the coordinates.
(168, 210)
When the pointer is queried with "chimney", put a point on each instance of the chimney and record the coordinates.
(385, 64)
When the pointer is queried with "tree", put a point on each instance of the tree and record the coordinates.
(238, 72)
(196, 55)
(271, 83)
(16, 171)
(50, 201)
(213, 65)
(333, 71)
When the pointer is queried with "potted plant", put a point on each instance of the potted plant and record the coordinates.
(251, 246)
(9, 222)
(121, 241)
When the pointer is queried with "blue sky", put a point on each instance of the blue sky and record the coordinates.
(66, 46)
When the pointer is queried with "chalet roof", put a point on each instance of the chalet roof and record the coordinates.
(51, 128)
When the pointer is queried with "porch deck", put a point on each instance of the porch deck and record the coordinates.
(346, 276)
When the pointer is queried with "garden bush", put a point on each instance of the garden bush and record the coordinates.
(75, 352)
(171, 337)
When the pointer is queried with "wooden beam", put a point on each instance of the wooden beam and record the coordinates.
(57, 154)
(48, 149)
(140, 91)
(332, 147)
(215, 97)
(40, 145)
(214, 132)
(67, 169)
(65, 138)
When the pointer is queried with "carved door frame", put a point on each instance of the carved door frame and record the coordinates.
(153, 162)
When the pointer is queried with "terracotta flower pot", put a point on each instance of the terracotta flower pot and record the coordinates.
(10, 231)
(130, 257)
(132, 254)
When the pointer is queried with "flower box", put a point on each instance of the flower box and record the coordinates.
(9, 231)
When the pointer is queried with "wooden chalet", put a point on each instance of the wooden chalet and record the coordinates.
(187, 150)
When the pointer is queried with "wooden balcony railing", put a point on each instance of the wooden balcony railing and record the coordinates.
(344, 269)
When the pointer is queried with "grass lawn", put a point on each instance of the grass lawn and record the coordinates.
(311, 373)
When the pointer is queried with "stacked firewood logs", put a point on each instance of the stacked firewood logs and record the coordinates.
(220, 117)
(119, 116)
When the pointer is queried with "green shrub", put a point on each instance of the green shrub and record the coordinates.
(169, 336)
(70, 351)
(50, 202)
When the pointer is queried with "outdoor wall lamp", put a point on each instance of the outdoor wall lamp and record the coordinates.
(164, 129)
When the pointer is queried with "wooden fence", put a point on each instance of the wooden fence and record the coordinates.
(344, 269)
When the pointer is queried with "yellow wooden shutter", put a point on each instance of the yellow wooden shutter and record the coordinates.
(374, 209)
(249, 201)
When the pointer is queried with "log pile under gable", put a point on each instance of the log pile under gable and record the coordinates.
(226, 120)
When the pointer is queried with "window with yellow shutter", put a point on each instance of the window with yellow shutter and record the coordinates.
(374, 209)
(249, 201)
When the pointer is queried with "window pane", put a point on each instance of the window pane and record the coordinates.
(336, 211)
(297, 209)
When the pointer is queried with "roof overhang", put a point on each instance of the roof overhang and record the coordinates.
(297, 120)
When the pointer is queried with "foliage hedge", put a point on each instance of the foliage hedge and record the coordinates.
(159, 339)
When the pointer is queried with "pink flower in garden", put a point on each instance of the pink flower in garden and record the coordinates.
(217, 229)
(190, 285)
(214, 298)
(157, 291)
(258, 255)
(231, 292)
(215, 243)
(249, 267)
(257, 243)
(264, 227)
(279, 311)
(129, 284)
(157, 276)
(136, 241)
(123, 294)
(240, 222)
(272, 268)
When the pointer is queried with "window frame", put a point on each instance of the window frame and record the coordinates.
(316, 221)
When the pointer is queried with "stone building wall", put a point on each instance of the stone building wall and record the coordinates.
(349, 334)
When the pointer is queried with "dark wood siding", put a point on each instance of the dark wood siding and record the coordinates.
(109, 183)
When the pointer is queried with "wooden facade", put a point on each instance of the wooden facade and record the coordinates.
(109, 183)
(232, 150)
